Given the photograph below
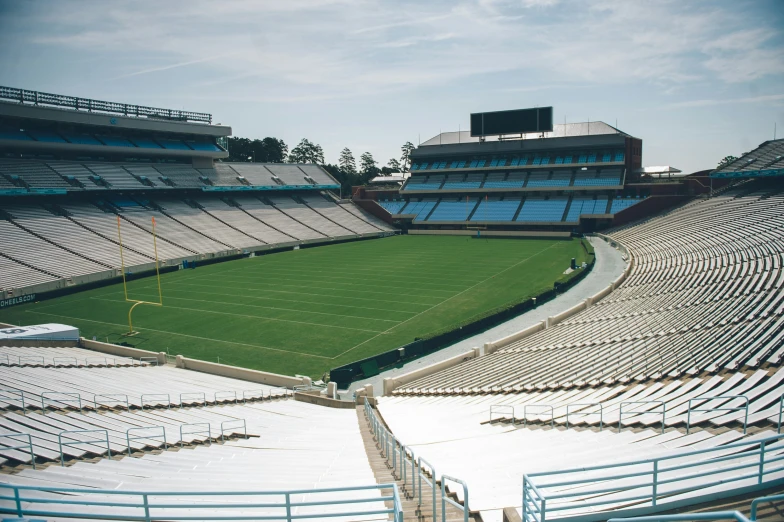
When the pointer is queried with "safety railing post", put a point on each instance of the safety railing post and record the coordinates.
(601, 412)
(18, 503)
(208, 431)
(761, 462)
(745, 407)
(781, 410)
(288, 507)
(444, 498)
(545, 406)
(420, 475)
(4, 394)
(146, 508)
(655, 485)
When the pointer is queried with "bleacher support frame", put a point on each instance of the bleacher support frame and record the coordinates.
(111, 396)
(128, 437)
(28, 446)
(637, 412)
(80, 443)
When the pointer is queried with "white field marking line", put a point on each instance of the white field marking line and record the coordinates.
(259, 306)
(268, 289)
(448, 299)
(339, 284)
(184, 335)
(286, 271)
(271, 299)
(248, 316)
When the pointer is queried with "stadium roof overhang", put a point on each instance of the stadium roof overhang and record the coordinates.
(109, 121)
(19, 146)
(765, 161)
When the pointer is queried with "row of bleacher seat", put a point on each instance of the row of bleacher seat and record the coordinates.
(497, 209)
(48, 136)
(515, 180)
(522, 160)
(78, 176)
(80, 238)
(705, 295)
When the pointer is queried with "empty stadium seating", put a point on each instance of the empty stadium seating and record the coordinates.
(540, 209)
(560, 158)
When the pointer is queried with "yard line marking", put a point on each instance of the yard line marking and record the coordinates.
(270, 299)
(274, 271)
(258, 306)
(337, 286)
(185, 335)
(250, 316)
(444, 301)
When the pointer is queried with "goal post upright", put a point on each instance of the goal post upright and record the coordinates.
(137, 302)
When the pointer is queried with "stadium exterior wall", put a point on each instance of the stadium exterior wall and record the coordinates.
(245, 374)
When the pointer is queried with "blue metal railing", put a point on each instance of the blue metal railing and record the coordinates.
(31, 358)
(208, 431)
(14, 395)
(225, 396)
(112, 398)
(539, 406)
(75, 442)
(28, 446)
(146, 506)
(227, 425)
(253, 394)
(156, 398)
(502, 409)
(598, 489)
(718, 397)
(445, 498)
(148, 360)
(711, 515)
(65, 397)
(160, 433)
(660, 404)
(781, 410)
(193, 395)
(585, 404)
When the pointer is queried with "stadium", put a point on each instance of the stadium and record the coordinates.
(542, 328)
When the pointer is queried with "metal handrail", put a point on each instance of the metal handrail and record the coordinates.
(243, 425)
(9, 398)
(250, 394)
(757, 501)
(632, 412)
(749, 456)
(156, 397)
(128, 437)
(55, 359)
(148, 360)
(30, 506)
(781, 410)
(546, 406)
(208, 431)
(502, 409)
(32, 357)
(432, 484)
(445, 499)
(74, 397)
(7, 359)
(601, 412)
(286, 391)
(730, 397)
(104, 359)
(111, 397)
(228, 394)
(28, 446)
(713, 515)
(194, 395)
(79, 443)
(412, 462)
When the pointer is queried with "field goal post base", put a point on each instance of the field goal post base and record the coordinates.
(131, 332)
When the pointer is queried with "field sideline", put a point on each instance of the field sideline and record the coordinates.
(310, 310)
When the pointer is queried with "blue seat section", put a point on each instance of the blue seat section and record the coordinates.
(619, 204)
(13, 133)
(456, 181)
(534, 158)
(144, 143)
(173, 144)
(47, 136)
(425, 183)
(596, 179)
(420, 208)
(492, 209)
(586, 206)
(539, 209)
(203, 145)
(114, 141)
(393, 206)
(619, 155)
(453, 210)
(558, 179)
(124, 203)
(82, 139)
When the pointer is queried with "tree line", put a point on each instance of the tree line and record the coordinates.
(346, 171)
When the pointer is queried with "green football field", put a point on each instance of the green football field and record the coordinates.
(307, 311)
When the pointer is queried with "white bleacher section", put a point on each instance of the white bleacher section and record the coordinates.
(339, 214)
(274, 218)
(309, 217)
(242, 221)
(172, 230)
(36, 174)
(61, 356)
(704, 295)
(115, 175)
(206, 224)
(16, 275)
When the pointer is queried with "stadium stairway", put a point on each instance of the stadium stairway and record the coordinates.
(387, 473)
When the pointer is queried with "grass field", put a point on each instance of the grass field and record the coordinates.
(309, 310)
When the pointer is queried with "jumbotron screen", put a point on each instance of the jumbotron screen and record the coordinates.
(518, 121)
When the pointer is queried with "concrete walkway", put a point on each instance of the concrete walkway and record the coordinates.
(609, 265)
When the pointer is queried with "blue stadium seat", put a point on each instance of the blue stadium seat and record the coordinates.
(453, 210)
(46, 136)
(539, 209)
(13, 133)
(114, 141)
(492, 209)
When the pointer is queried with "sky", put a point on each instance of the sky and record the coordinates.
(696, 80)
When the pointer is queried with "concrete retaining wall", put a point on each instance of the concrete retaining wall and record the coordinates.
(390, 383)
(491, 233)
(122, 351)
(271, 379)
(323, 401)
